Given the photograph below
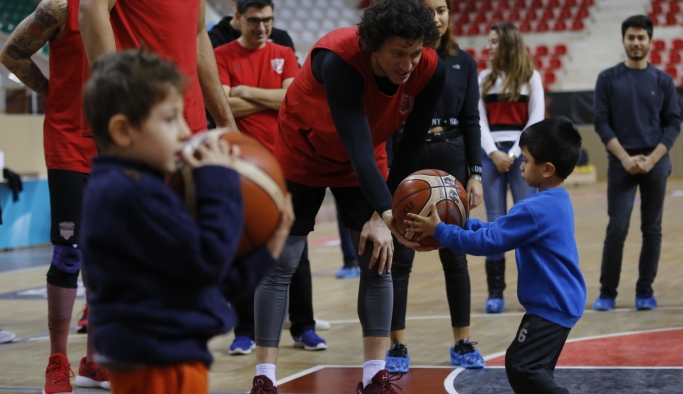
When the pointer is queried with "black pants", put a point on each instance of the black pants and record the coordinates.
(621, 193)
(300, 304)
(448, 156)
(531, 358)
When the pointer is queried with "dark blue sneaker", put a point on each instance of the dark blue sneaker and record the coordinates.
(646, 304)
(603, 304)
(466, 355)
(398, 360)
(309, 340)
(348, 273)
(494, 305)
(242, 345)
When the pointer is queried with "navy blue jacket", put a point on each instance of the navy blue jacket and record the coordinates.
(638, 107)
(541, 228)
(158, 278)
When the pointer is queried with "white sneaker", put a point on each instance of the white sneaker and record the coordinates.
(8, 336)
(321, 325)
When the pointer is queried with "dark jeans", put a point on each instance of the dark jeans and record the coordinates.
(621, 192)
(300, 304)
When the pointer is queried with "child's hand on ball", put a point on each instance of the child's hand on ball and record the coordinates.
(424, 224)
(213, 153)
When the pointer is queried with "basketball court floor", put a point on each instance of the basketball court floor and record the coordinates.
(622, 351)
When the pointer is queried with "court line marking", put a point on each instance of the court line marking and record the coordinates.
(320, 367)
(21, 270)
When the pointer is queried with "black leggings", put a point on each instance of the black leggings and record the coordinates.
(448, 156)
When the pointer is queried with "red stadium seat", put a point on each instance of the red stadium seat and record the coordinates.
(565, 14)
(674, 8)
(470, 7)
(671, 20)
(486, 6)
(519, 5)
(514, 16)
(569, 3)
(673, 71)
(555, 64)
(536, 4)
(480, 18)
(541, 50)
(542, 27)
(549, 78)
(655, 59)
(576, 25)
(560, 50)
(674, 58)
(484, 54)
(655, 20)
(482, 65)
(559, 26)
(473, 30)
(658, 45)
(582, 13)
(655, 9)
(463, 19)
(458, 31)
(525, 27)
(676, 44)
(503, 5)
(455, 6)
(530, 16)
(363, 4)
(587, 3)
(472, 52)
(548, 15)
(497, 17)
(553, 4)
(538, 63)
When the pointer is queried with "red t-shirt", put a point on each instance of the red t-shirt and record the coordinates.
(265, 68)
(169, 28)
(65, 148)
(308, 146)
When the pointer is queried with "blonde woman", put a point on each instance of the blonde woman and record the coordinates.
(511, 100)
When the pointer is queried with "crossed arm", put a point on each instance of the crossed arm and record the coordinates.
(246, 100)
(27, 39)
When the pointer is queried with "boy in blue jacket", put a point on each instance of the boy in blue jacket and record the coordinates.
(158, 278)
(541, 227)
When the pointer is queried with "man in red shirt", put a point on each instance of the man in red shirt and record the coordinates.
(174, 29)
(355, 89)
(67, 155)
(256, 73)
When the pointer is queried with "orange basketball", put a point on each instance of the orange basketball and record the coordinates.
(261, 179)
(419, 190)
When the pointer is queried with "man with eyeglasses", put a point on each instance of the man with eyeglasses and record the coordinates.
(174, 29)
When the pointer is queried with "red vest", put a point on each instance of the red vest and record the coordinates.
(65, 148)
(169, 28)
(308, 146)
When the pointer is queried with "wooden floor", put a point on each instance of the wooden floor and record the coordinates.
(428, 335)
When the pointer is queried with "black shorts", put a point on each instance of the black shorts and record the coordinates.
(66, 200)
(355, 210)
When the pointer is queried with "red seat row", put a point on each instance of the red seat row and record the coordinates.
(516, 16)
(504, 5)
(659, 45)
(524, 27)
(672, 59)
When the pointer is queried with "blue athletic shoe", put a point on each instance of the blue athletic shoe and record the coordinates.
(466, 355)
(604, 304)
(646, 304)
(348, 273)
(242, 345)
(398, 360)
(309, 340)
(494, 305)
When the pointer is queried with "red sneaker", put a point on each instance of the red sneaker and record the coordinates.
(57, 375)
(381, 384)
(92, 375)
(83, 321)
(263, 385)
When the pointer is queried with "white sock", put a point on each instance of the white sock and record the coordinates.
(268, 370)
(370, 369)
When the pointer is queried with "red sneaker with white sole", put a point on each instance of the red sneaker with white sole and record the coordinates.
(382, 383)
(58, 375)
(92, 375)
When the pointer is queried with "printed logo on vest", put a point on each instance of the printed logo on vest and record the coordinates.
(406, 104)
(66, 229)
(278, 65)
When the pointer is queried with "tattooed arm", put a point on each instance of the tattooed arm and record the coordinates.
(28, 37)
(96, 30)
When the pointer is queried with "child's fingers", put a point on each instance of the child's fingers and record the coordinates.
(188, 157)
(433, 210)
(235, 152)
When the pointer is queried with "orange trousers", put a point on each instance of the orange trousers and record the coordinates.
(188, 378)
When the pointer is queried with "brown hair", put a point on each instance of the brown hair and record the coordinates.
(512, 58)
(128, 83)
(448, 41)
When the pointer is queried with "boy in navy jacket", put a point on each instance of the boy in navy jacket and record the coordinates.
(541, 227)
(158, 278)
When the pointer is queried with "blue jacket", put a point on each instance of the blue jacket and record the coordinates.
(541, 228)
(158, 278)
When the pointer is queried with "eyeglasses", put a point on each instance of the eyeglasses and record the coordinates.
(253, 21)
